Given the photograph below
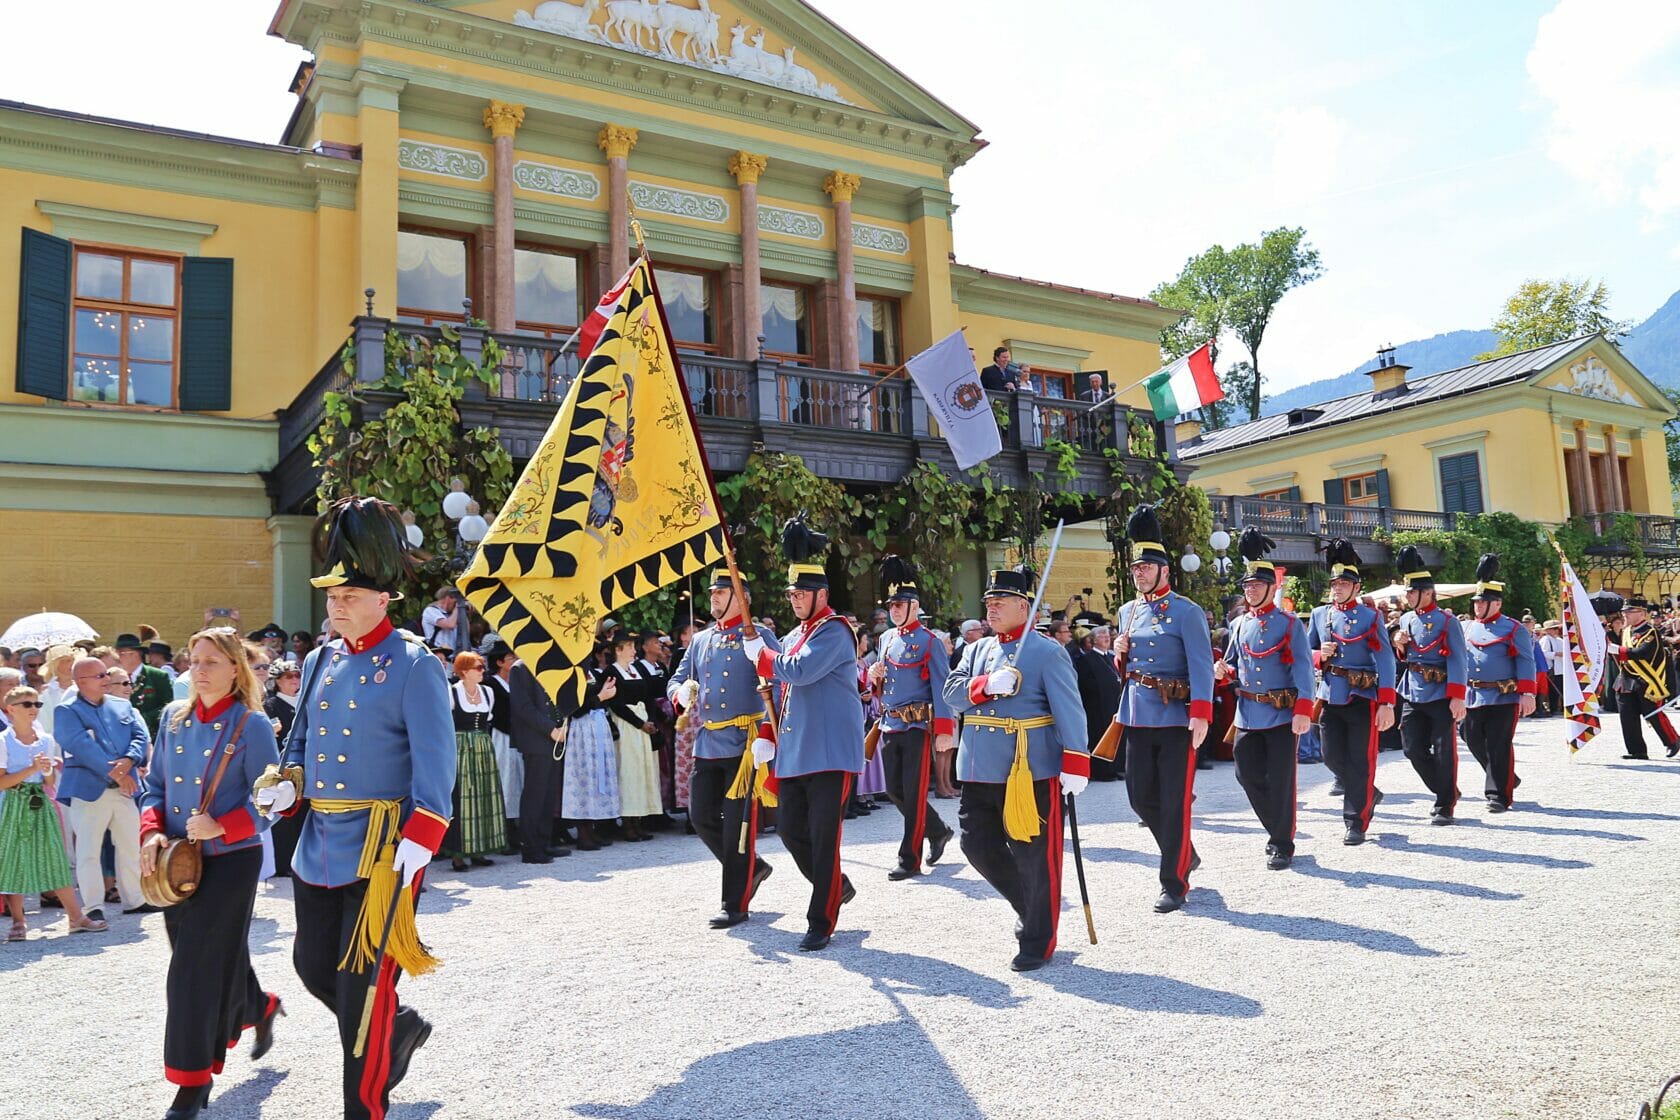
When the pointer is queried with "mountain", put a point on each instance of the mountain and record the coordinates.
(1653, 346)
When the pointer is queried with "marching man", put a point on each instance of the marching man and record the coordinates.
(1023, 747)
(910, 677)
(372, 753)
(1274, 679)
(1501, 682)
(1433, 685)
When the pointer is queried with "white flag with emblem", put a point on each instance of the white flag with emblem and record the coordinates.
(946, 376)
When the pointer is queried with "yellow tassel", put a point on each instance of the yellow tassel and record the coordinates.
(1020, 809)
(404, 946)
(743, 778)
(765, 797)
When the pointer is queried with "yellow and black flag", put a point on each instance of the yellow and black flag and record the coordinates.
(615, 504)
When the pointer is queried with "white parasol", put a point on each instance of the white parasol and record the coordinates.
(49, 628)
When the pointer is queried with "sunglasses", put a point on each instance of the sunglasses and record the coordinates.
(28, 704)
(122, 684)
(93, 676)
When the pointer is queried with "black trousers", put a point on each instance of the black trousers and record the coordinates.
(1488, 732)
(213, 994)
(1554, 692)
(1349, 732)
(1027, 873)
(539, 801)
(907, 757)
(1432, 745)
(717, 819)
(1161, 783)
(285, 832)
(326, 917)
(1632, 708)
(1266, 771)
(811, 811)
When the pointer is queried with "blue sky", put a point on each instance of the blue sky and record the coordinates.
(1437, 153)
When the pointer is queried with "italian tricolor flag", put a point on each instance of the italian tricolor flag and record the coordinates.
(1184, 386)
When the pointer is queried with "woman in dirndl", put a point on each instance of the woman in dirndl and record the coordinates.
(212, 991)
(510, 764)
(32, 856)
(589, 781)
(479, 826)
(638, 756)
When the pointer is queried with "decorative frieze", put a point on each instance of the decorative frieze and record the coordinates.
(545, 178)
(661, 199)
(881, 239)
(438, 159)
(790, 223)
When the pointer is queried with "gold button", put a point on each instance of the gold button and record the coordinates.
(337, 657)
(178, 778)
(343, 758)
(352, 704)
(198, 781)
(323, 705)
(206, 754)
(323, 731)
(364, 680)
(327, 681)
(177, 808)
(347, 731)
(180, 750)
(340, 785)
(320, 758)
(216, 726)
(320, 785)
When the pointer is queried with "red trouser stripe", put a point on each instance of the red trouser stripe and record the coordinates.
(1453, 804)
(1370, 772)
(919, 832)
(751, 810)
(1185, 846)
(832, 909)
(376, 1058)
(1509, 785)
(1294, 777)
(1053, 856)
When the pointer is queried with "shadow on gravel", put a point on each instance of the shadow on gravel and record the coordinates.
(420, 1110)
(894, 974)
(1120, 855)
(246, 1098)
(1539, 830)
(1140, 992)
(837, 1073)
(1309, 866)
(945, 875)
(57, 941)
(1400, 842)
(1592, 814)
(1646, 769)
(1207, 903)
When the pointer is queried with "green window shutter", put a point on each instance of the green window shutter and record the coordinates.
(1461, 483)
(43, 363)
(1294, 494)
(206, 334)
(1382, 488)
(1334, 492)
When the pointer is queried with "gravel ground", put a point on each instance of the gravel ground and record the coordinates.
(1517, 965)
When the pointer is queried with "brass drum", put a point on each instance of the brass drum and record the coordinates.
(179, 865)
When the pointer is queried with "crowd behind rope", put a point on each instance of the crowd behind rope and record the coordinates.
(529, 785)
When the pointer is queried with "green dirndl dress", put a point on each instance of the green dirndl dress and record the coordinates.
(480, 824)
(32, 856)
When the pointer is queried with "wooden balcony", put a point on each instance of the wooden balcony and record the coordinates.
(848, 427)
(1302, 528)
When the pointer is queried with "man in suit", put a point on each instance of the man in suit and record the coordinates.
(537, 732)
(997, 377)
(103, 741)
(153, 690)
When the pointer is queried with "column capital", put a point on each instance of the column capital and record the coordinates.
(841, 185)
(1610, 432)
(617, 140)
(503, 118)
(747, 167)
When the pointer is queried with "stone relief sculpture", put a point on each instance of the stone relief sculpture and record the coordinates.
(677, 33)
(1592, 379)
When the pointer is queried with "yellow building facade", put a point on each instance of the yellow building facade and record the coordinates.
(175, 292)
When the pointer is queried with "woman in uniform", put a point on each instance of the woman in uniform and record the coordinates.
(210, 748)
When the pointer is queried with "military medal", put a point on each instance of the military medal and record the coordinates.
(379, 677)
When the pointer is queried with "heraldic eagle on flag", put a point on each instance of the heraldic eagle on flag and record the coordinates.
(616, 503)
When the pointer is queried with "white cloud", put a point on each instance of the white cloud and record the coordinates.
(1610, 74)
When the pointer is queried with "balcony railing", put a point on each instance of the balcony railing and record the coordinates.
(1658, 533)
(1318, 519)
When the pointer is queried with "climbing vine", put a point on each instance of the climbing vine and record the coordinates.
(1528, 565)
(409, 454)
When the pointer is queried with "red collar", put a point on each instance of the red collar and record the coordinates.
(1491, 619)
(371, 638)
(1158, 593)
(1430, 609)
(205, 715)
(1011, 635)
(730, 623)
(911, 627)
(1263, 608)
(811, 623)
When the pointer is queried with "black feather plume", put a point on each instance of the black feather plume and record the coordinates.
(1254, 545)
(1143, 524)
(1341, 552)
(800, 542)
(896, 571)
(1409, 559)
(366, 535)
(1487, 568)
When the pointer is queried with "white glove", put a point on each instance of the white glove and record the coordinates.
(753, 647)
(1074, 784)
(763, 751)
(412, 858)
(1003, 682)
(689, 694)
(277, 798)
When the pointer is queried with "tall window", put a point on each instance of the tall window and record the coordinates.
(690, 300)
(433, 276)
(877, 332)
(1360, 490)
(546, 296)
(124, 341)
(1051, 383)
(1461, 483)
(787, 324)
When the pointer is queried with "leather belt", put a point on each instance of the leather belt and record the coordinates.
(1280, 698)
(1170, 688)
(1431, 674)
(1504, 687)
(1358, 678)
(919, 712)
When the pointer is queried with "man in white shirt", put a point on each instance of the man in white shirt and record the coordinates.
(1557, 656)
(444, 623)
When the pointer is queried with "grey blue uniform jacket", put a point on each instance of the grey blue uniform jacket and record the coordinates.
(917, 666)
(1437, 641)
(1269, 651)
(1500, 650)
(1048, 688)
(1169, 640)
(1361, 638)
(728, 688)
(184, 762)
(822, 714)
(372, 725)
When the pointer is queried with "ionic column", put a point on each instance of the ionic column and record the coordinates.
(616, 140)
(1589, 477)
(1577, 467)
(747, 167)
(841, 186)
(1617, 502)
(503, 120)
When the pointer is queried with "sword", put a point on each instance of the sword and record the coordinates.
(378, 963)
(1038, 599)
(1079, 867)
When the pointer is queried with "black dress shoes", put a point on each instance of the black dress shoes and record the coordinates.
(1025, 962)
(813, 942)
(263, 1041)
(1354, 836)
(1278, 861)
(538, 859)
(1440, 817)
(559, 851)
(1377, 799)
(762, 872)
(189, 1102)
(1497, 806)
(936, 846)
(144, 908)
(847, 892)
(1168, 902)
(1337, 790)
(1203, 764)
(1195, 859)
(724, 919)
(898, 874)
(1642, 757)
(402, 1050)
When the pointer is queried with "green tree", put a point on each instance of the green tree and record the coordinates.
(1541, 312)
(1264, 273)
(1202, 291)
(1671, 435)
